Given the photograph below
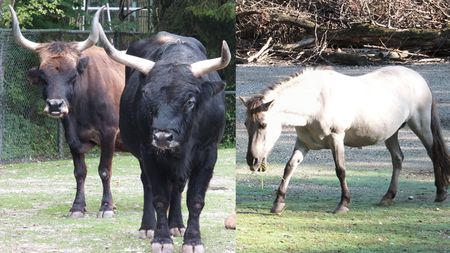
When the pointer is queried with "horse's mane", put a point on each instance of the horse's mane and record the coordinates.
(273, 89)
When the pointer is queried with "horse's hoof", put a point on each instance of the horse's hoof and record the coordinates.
(162, 247)
(278, 208)
(188, 248)
(76, 214)
(386, 202)
(441, 196)
(340, 210)
(146, 234)
(177, 232)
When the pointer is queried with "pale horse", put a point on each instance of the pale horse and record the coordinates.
(330, 110)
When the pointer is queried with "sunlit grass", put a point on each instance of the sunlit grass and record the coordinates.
(36, 197)
(307, 224)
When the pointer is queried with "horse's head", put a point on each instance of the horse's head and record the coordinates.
(263, 127)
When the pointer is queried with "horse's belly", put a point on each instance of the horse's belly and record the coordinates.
(366, 136)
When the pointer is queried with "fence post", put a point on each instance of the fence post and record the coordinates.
(2, 105)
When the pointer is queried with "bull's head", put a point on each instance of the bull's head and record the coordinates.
(62, 65)
(174, 93)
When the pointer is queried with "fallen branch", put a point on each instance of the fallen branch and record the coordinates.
(261, 51)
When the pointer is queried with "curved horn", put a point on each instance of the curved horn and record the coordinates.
(142, 65)
(18, 35)
(201, 68)
(93, 35)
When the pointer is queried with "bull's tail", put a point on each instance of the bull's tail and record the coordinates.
(440, 156)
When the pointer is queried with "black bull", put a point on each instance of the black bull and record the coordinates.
(172, 117)
(81, 86)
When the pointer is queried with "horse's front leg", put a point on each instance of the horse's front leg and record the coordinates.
(297, 157)
(337, 148)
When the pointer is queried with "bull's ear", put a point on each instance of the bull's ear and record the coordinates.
(33, 76)
(82, 64)
(214, 87)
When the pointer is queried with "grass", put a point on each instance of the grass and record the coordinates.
(36, 197)
(307, 225)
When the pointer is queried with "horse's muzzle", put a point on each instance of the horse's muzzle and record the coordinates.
(256, 164)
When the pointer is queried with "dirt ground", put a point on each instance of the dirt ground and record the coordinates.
(251, 79)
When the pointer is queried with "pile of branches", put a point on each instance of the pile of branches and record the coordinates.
(316, 30)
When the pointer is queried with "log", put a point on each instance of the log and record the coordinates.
(426, 41)
(431, 41)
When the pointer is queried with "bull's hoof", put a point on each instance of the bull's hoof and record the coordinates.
(189, 248)
(341, 210)
(386, 202)
(146, 234)
(278, 208)
(162, 247)
(105, 214)
(177, 232)
(75, 214)
(441, 196)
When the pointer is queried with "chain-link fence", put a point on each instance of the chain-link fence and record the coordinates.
(25, 132)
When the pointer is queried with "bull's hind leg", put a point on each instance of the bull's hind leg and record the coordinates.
(105, 173)
(337, 148)
(296, 158)
(79, 204)
(397, 159)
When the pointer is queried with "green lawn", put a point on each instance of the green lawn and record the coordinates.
(307, 225)
(36, 197)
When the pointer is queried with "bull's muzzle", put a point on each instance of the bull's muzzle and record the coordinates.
(163, 140)
(56, 108)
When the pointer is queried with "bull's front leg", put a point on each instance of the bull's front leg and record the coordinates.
(176, 224)
(160, 186)
(105, 172)
(148, 222)
(79, 204)
(198, 184)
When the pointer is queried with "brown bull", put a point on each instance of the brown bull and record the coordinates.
(81, 86)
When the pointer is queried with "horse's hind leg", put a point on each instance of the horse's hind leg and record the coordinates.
(397, 159)
(297, 157)
(337, 148)
(421, 126)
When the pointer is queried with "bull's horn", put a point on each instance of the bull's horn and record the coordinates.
(93, 35)
(18, 35)
(201, 68)
(140, 64)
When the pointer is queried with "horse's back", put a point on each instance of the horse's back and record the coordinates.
(371, 107)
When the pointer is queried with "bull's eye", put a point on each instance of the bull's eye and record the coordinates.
(262, 125)
(189, 104)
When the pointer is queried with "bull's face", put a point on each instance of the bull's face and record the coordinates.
(174, 101)
(58, 77)
(60, 67)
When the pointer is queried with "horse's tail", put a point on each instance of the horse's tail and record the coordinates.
(441, 158)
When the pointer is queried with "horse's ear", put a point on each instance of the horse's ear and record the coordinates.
(243, 101)
(267, 106)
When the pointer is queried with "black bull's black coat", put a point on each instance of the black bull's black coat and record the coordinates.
(171, 99)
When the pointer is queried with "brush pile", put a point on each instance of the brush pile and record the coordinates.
(352, 32)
